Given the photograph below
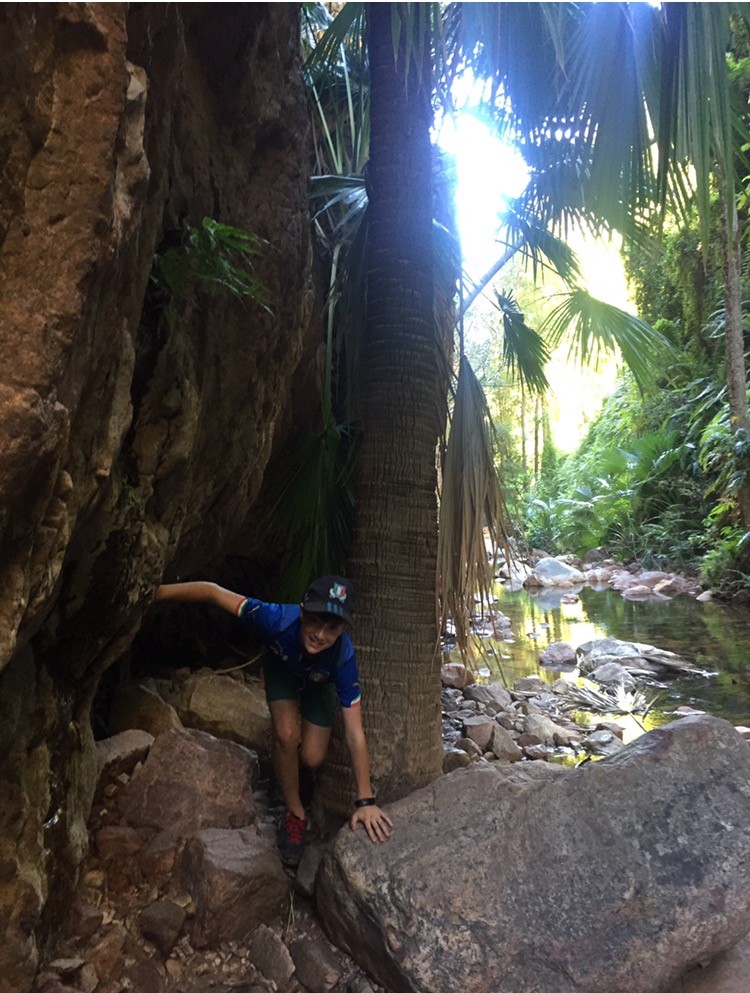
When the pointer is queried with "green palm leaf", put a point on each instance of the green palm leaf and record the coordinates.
(524, 350)
(602, 327)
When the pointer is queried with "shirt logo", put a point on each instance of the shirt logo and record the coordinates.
(317, 676)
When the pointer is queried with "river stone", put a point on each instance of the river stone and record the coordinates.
(633, 655)
(637, 868)
(558, 653)
(494, 694)
(551, 572)
(479, 729)
(613, 674)
(603, 743)
(504, 747)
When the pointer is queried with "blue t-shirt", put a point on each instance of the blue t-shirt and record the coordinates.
(279, 624)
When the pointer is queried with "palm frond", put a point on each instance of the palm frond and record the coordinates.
(524, 350)
(471, 502)
(602, 327)
(313, 509)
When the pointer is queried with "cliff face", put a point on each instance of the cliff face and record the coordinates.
(127, 446)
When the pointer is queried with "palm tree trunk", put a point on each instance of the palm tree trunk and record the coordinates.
(734, 338)
(393, 562)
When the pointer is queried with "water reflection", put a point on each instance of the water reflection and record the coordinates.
(713, 636)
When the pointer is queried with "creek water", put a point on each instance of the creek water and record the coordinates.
(713, 636)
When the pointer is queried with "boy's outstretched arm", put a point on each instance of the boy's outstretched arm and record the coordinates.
(377, 823)
(200, 592)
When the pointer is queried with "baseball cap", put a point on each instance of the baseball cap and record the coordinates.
(331, 595)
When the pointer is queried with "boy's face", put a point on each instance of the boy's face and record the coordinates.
(319, 631)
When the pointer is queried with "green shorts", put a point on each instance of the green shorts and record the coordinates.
(316, 700)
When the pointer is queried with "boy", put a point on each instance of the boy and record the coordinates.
(309, 660)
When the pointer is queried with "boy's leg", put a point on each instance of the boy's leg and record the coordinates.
(287, 736)
(314, 744)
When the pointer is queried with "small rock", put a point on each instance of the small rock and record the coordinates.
(161, 923)
(66, 967)
(536, 752)
(455, 758)
(270, 955)
(117, 840)
(603, 743)
(315, 964)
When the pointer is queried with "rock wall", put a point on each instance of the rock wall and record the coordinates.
(128, 445)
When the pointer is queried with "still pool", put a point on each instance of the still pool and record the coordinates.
(713, 636)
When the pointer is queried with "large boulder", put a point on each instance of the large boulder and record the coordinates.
(191, 781)
(633, 656)
(552, 572)
(237, 882)
(616, 876)
(224, 707)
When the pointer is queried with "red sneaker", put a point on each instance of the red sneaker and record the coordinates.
(290, 838)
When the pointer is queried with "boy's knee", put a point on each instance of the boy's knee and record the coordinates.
(287, 736)
(312, 759)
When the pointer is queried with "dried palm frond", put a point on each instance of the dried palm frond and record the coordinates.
(475, 517)
(618, 701)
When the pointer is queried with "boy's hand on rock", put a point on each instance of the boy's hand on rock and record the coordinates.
(377, 823)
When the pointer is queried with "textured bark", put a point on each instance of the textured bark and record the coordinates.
(393, 561)
(128, 449)
(734, 338)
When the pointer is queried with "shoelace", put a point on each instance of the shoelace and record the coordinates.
(295, 827)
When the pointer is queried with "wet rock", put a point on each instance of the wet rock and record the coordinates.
(613, 674)
(237, 882)
(612, 726)
(161, 923)
(603, 743)
(189, 781)
(660, 859)
(537, 753)
(558, 653)
(530, 684)
(633, 656)
(552, 572)
(270, 955)
(640, 592)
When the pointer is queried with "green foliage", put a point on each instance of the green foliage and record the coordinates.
(726, 565)
(634, 486)
(313, 507)
(214, 256)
